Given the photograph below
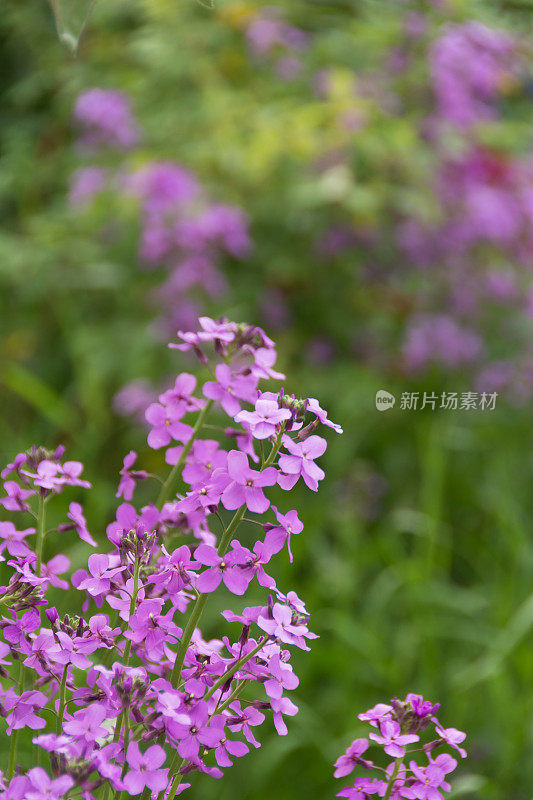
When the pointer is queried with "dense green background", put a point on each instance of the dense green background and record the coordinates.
(416, 560)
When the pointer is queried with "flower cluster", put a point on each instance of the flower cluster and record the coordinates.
(181, 229)
(398, 725)
(270, 38)
(127, 695)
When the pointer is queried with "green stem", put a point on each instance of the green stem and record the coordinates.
(176, 469)
(127, 649)
(177, 780)
(233, 696)
(275, 448)
(393, 777)
(62, 700)
(230, 530)
(196, 613)
(133, 600)
(199, 606)
(15, 733)
(232, 670)
(41, 521)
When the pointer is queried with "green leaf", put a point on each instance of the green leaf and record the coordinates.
(40, 395)
(71, 17)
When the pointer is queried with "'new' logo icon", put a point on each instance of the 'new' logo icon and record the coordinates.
(384, 400)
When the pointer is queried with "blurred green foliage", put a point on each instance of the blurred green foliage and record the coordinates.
(417, 557)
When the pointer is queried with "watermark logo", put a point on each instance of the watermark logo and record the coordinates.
(447, 401)
(384, 400)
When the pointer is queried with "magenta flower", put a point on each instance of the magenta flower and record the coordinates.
(42, 788)
(246, 486)
(86, 724)
(223, 332)
(376, 714)
(229, 388)
(197, 732)
(392, 738)
(22, 710)
(16, 497)
(128, 477)
(301, 462)
(428, 781)
(347, 762)
(145, 769)
(360, 790)
(243, 719)
(106, 119)
(180, 397)
(227, 747)
(75, 513)
(265, 420)
(13, 540)
(56, 566)
(278, 535)
(452, 737)
(166, 425)
(281, 677)
(227, 568)
(314, 407)
(99, 568)
(205, 457)
(282, 626)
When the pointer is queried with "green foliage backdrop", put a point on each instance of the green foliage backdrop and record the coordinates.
(417, 557)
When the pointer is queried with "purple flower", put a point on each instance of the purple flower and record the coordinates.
(282, 625)
(375, 714)
(13, 540)
(106, 119)
(197, 732)
(99, 568)
(281, 677)
(314, 407)
(301, 462)
(229, 388)
(145, 769)
(56, 566)
(16, 497)
(428, 780)
(392, 738)
(278, 535)
(126, 486)
(225, 568)
(75, 513)
(452, 737)
(265, 420)
(42, 788)
(243, 719)
(246, 486)
(205, 457)
(86, 724)
(86, 183)
(347, 762)
(166, 425)
(360, 790)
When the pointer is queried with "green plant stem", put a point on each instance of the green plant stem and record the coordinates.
(62, 699)
(233, 696)
(15, 733)
(393, 777)
(177, 780)
(232, 670)
(176, 469)
(133, 601)
(201, 600)
(41, 521)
